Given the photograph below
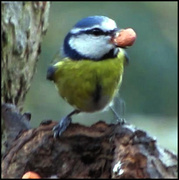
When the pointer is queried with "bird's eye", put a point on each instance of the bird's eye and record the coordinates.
(97, 32)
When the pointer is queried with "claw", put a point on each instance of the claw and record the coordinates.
(61, 126)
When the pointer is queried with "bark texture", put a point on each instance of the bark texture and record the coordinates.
(98, 151)
(23, 24)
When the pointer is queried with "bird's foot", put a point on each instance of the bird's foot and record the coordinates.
(61, 126)
(121, 121)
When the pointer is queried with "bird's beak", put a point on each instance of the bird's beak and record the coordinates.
(124, 37)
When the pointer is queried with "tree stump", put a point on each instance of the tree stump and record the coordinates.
(99, 151)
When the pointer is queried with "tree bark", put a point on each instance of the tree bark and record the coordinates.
(99, 151)
(23, 24)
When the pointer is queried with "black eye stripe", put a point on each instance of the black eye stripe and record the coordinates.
(96, 32)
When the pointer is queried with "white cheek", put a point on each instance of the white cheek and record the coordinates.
(91, 46)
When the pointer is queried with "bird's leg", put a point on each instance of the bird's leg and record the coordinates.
(63, 124)
(118, 117)
(118, 109)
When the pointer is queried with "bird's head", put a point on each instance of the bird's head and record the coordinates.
(91, 38)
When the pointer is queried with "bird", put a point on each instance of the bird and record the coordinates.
(90, 73)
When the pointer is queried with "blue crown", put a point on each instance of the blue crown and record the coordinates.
(90, 21)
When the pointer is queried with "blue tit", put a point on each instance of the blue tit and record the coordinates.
(91, 70)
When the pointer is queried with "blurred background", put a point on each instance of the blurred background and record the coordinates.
(149, 87)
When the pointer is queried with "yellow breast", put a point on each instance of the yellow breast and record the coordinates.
(89, 85)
